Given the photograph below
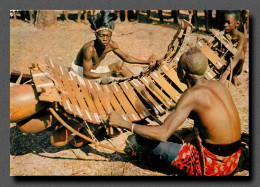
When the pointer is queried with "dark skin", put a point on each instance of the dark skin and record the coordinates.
(93, 52)
(217, 118)
(230, 27)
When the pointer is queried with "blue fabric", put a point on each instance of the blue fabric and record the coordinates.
(167, 151)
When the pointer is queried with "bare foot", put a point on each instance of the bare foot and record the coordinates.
(236, 81)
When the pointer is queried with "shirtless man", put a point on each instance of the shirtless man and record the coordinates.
(92, 53)
(230, 27)
(215, 117)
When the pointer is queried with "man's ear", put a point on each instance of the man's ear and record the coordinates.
(184, 73)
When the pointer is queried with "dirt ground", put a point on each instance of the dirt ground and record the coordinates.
(34, 155)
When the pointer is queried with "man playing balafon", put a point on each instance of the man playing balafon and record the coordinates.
(89, 57)
(215, 117)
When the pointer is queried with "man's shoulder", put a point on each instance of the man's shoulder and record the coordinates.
(113, 45)
(89, 46)
(240, 35)
(207, 86)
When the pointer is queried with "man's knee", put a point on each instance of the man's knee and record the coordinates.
(167, 151)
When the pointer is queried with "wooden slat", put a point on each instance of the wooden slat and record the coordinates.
(93, 95)
(167, 102)
(59, 85)
(114, 102)
(175, 95)
(92, 108)
(228, 44)
(103, 98)
(140, 88)
(134, 99)
(41, 80)
(172, 74)
(210, 54)
(183, 46)
(130, 111)
(70, 95)
(44, 85)
(210, 74)
(83, 108)
(175, 45)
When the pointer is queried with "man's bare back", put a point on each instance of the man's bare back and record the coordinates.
(218, 119)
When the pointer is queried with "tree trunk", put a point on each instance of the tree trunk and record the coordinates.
(46, 19)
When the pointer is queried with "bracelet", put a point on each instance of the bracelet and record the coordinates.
(132, 129)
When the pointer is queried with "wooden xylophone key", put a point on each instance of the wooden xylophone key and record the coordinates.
(134, 99)
(103, 97)
(167, 102)
(59, 85)
(140, 88)
(114, 102)
(91, 90)
(44, 84)
(83, 109)
(130, 111)
(228, 44)
(210, 54)
(160, 80)
(172, 74)
(210, 74)
(92, 112)
(40, 79)
(73, 102)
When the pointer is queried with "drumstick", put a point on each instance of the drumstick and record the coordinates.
(231, 73)
(153, 87)
(149, 102)
(121, 65)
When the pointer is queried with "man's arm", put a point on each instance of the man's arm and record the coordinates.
(160, 133)
(240, 52)
(127, 58)
(238, 56)
(88, 64)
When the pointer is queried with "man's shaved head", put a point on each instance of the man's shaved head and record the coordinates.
(193, 62)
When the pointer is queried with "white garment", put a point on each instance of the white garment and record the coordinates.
(78, 70)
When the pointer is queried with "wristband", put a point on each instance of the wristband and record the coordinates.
(132, 129)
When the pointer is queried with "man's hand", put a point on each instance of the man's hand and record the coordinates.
(152, 61)
(117, 72)
(116, 120)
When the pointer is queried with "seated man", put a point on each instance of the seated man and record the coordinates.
(89, 57)
(215, 117)
(231, 31)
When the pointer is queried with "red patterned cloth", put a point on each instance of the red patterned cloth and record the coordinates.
(190, 160)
